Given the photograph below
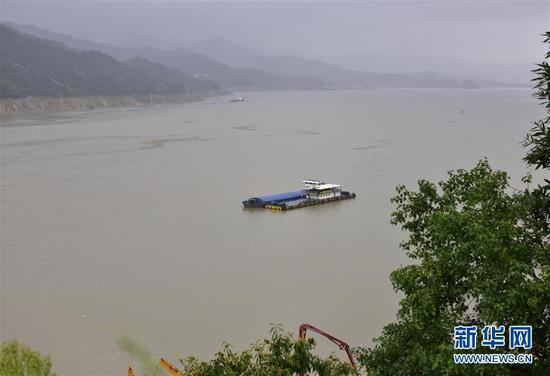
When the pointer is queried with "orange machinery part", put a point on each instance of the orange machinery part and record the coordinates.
(172, 371)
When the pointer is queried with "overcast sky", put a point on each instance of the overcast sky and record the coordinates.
(483, 31)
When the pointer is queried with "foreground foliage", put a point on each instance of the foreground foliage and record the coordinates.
(478, 264)
(19, 360)
(281, 354)
(538, 144)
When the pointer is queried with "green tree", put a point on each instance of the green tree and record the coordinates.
(538, 144)
(478, 264)
(482, 253)
(19, 360)
(280, 355)
(538, 140)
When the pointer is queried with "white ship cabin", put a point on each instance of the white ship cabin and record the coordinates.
(324, 191)
(311, 183)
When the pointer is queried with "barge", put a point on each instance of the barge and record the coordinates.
(314, 192)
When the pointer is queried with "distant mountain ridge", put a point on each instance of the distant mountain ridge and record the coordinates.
(228, 77)
(31, 66)
(228, 64)
(164, 76)
(234, 55)
(187, 61)
(119, 53)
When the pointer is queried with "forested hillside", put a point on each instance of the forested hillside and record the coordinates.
(31, 66)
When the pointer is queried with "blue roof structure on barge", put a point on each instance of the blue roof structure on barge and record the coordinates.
(281, 197)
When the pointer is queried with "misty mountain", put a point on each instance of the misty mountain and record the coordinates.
(287, 65)
(32, 66)
(231, 54)
(190, 62)
(510, 72)
(164, 76)
(229, 77)
(119, 53)
(239, 68)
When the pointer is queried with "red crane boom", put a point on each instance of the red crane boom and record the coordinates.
(302, 329)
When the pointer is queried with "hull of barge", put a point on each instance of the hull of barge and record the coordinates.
(293, 200)
(308, 202)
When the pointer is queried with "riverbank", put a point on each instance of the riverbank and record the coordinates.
(62, 104)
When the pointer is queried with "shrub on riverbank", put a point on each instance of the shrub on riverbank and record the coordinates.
(280, 354)
(17, 359)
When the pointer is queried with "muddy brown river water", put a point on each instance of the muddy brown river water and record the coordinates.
(129, 221)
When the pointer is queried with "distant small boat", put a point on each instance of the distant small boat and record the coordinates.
(238, 99)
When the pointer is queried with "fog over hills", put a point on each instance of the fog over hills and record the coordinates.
(238, 68)
(31, 66)
(119, 53)
(518, 73)
(228, 77)
(187, 61)
(460, 40)
(164, 76)
(232, 54)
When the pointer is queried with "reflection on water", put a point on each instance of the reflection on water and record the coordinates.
(129, 221)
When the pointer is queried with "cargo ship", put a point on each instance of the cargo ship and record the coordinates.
(314, 192)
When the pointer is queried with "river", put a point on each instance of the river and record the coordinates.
(129, 222)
